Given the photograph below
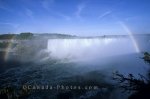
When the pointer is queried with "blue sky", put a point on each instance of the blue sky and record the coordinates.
(77, 17)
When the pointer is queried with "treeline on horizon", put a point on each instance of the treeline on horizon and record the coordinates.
(16, 36)
(28, 35)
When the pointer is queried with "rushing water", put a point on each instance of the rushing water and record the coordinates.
(78, 61)
(94, 47)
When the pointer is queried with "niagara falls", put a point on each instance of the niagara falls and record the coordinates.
(64, 61)
(87, 47)
(74, 49)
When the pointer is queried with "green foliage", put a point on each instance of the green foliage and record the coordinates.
(26, 35)
(146, 57)
(4, 45)
(7, 36)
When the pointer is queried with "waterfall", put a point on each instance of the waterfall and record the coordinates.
(89, 47)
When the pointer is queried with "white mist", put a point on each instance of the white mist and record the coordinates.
(89, 47)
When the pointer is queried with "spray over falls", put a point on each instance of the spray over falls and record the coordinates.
(89, 47)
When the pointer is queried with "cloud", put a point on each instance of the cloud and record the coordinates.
(29, 13)
(104, 14)
(10, 24)
(4, 6)
(9, 27)
(132, 18)
(80, 8)
(47, 3)
(61, 15)
(64, 16)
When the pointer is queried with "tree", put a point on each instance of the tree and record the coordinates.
(140, 87)
(26, 35)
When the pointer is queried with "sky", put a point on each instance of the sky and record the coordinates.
(75, 17)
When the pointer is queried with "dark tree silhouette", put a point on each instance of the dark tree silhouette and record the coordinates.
(140, 87)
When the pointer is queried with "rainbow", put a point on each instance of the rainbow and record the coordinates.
(122, 24)
(129, 32)
(8, 49)
(126, 28)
